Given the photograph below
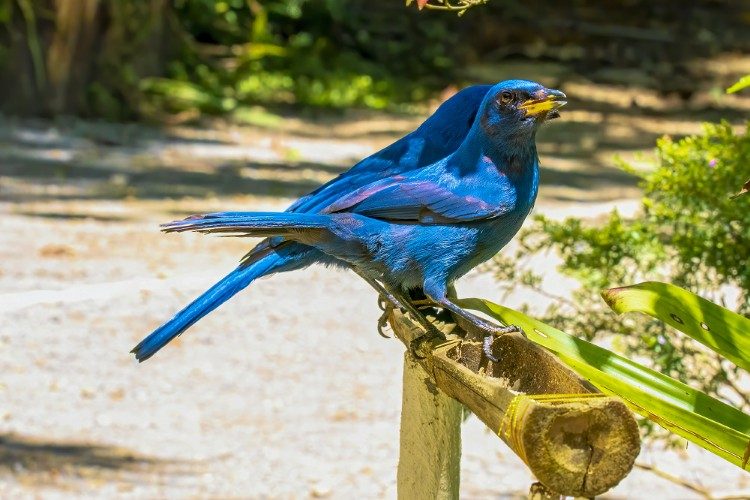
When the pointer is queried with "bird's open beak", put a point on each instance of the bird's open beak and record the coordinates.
(544, 104)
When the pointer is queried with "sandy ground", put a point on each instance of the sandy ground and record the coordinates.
(287, 391)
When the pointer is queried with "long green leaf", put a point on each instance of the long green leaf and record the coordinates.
(721, 330)
(742, 83)
(707, 422)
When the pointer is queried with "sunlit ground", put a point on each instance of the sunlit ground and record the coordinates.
(286, 391)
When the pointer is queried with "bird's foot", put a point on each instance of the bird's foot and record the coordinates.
(382, 325)
(497, 331)
(384, 304)
(504, 330)
(487, 348)
(386, 307)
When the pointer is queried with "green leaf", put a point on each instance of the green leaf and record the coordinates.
(699, 418)
(719, 329)
(742, 83)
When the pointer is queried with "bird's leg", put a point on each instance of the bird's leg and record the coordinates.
(383, 321)
(386, 302)
(489, 330)
(431, 331)
(398, 299)
(383, 303)
(487, 348)
(386, 306)
(441, 313)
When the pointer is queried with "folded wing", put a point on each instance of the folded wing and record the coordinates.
(422, 201)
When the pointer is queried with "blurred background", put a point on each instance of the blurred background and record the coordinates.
(119, 115)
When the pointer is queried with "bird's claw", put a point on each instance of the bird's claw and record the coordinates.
(414, 346)
(504, 330)
(383, 304)
(489, 339)
(487, 348)
(382, 324)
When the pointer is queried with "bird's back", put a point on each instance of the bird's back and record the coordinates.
(437, 137)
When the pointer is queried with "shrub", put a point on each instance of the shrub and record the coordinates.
(317, 53)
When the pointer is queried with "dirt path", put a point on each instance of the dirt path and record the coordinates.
(285, 392)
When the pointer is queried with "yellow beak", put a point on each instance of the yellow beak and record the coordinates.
(553, 99)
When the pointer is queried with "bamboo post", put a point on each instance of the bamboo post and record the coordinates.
(429, 463)
(576, 441)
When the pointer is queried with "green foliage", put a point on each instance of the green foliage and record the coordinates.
(717, 328)
(318, 53)
(133, 59)
(27, 10)
(458, 6)
(711, 424)
(741, 84)
(689, 232)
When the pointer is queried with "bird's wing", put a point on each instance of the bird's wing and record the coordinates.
(436, 138)
(422, 201)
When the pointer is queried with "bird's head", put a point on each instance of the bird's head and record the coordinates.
(514, 109)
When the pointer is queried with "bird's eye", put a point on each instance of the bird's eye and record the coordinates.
(506, 97)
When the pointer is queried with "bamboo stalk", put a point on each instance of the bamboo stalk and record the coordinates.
(575, 440)
(429, 464)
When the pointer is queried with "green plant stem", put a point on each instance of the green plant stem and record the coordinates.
(32, 38)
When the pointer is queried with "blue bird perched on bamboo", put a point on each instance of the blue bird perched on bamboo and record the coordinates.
(415, 216)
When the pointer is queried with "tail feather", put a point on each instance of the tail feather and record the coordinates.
(212, 298)
(250, 223)
(291, 256)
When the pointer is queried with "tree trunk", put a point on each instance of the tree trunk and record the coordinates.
(83, 57)
(71, 53)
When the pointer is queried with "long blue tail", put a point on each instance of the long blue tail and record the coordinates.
(252, 223)
(212, 298)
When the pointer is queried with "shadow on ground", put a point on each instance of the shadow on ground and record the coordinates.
(44, 180)
(19, 454)
(47, 461)
(41, 161)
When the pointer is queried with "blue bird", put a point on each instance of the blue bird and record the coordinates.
(436, 138)
(419, 228)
